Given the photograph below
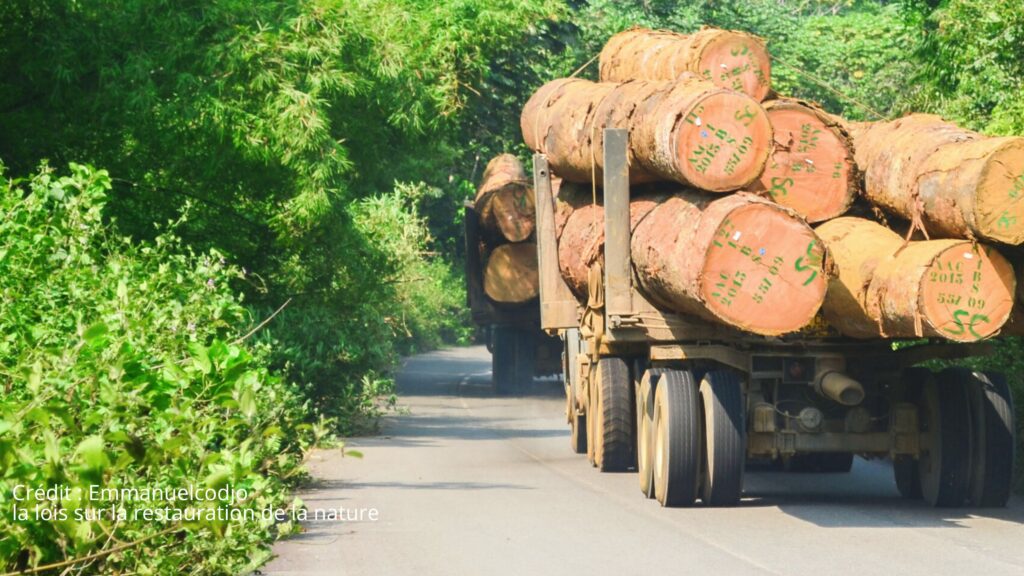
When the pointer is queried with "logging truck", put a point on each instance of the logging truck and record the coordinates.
(511, 330)
(686, 400)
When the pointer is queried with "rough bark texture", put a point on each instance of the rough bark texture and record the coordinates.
(960, 183)
(948, 288)
(570, 197)
(510, 275)
(856, 247)
(812, 169)
(687, 131)
(729, 59)
(505, 200)
(739, 260)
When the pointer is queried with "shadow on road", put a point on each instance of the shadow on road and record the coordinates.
(864, 498)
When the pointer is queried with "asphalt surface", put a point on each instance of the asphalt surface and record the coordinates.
(466, 483)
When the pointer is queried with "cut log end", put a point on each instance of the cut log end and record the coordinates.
(513, 211)
(510, 276)
(812, 168)
(764, 271)
(722, 143)
(967, 292)
(999, 207)
(739, 62)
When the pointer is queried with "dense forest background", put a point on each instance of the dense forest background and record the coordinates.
(177, 173)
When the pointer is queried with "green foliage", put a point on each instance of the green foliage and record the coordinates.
(122, 366)
(973, 52)
(272, 118)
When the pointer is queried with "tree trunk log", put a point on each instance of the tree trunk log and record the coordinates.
(738, 260)
(687, 131)
(510, 275)
(505, 200)
(729, 59)
(812, 169)
(949, 288)
(960, 183)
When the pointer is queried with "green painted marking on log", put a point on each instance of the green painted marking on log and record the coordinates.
(780, 186)
(746, 116)
(837, 170)
(813, 261)
(738, 155)
(808, 138)
(958, 316)
(703, 156)
(1005, 220)
(1018, 187)
(741, 51)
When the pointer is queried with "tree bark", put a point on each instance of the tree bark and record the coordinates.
(729, 59)
(505, 200)
(960, 184)
(887, 288)
(686, 131)
(812, 169)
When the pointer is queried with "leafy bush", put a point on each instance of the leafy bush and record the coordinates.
(124, 366)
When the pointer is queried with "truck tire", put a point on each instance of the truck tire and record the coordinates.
(526, 356)
(503, 360)
(992, 451)
(905, 468)
(945, 468)
(723, 413)
(614, 440)
(645, 430)
(678, 438)
(579, 433)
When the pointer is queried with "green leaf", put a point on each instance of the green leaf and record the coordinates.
(92, 454)
(219, 477)
(94, 333)
(52, 448)
(200, 357)
(247, 402)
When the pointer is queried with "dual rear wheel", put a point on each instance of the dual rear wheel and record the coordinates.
(967, 439)
(691, 437)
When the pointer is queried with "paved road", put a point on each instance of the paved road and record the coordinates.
(466, 483)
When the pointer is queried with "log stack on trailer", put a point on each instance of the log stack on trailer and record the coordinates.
(501, 273)
(722, 267)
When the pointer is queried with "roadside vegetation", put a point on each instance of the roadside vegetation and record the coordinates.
(222, 223)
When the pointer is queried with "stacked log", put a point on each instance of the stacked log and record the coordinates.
(510, 275)
(738, 260)
(886, 287)
(687, 131)
(958, 183)
(505, 205)
(727, 58)
(750, 260)
(505, 200)
(812, 168)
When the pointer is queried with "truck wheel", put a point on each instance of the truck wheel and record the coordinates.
(992, 451)
(678, 437)
(614, 443)
(579, 433)
(503, 360)
(725, 453)
(945, 460)
(645, 430)
(526, 356)
(904, 468)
